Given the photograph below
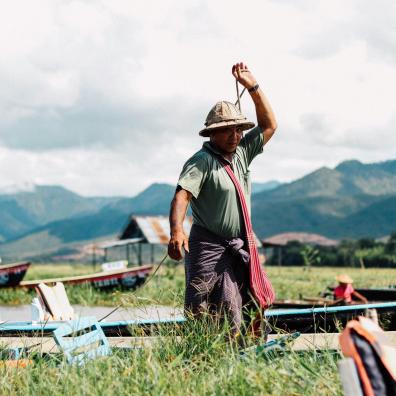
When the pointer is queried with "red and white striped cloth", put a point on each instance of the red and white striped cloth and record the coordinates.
(260, 284)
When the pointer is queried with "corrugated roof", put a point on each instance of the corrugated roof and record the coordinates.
(303, 237)
(110, 244)
(156, 228)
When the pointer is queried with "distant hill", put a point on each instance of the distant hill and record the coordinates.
(266, 186)
(338, 202)
(22, 211)
(352, 200)
(109, 220)
(154, 200)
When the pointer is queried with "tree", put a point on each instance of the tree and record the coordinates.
(310, 256)
(390, 247)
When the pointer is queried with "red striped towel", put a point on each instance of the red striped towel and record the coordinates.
(260, 284)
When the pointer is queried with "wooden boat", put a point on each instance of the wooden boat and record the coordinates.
(304, 303)
(378, 294)
(308, 320)
(12, 274)
(127, 278)
(375, 293)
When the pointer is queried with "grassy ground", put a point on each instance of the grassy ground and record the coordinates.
(200, 362)
(167, 286)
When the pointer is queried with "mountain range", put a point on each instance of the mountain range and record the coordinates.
(350, 201)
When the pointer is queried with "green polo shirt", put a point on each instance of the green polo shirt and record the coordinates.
(215, 203)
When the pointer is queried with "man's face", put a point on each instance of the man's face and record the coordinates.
(227, 138)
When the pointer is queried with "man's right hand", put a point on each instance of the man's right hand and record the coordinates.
(178, 241)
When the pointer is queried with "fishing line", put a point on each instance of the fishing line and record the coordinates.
(145, 284)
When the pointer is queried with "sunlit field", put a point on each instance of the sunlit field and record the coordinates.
(196, 359)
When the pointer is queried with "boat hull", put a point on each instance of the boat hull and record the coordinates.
(128, 278)
(378, 294)
(12, 274)
(310, 320)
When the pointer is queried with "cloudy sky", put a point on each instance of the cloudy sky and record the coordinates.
(107, 97)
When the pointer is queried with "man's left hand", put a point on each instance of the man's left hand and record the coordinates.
(243, 75)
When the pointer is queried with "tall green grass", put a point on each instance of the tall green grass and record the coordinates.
(198, 359)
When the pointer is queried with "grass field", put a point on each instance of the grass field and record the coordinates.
(195, 360)
(167, 286)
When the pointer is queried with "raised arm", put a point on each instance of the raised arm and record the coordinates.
(178, 238)
(265, 115)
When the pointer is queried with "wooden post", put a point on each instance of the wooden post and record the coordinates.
(94, 257)
(140, 253)
(152, 258)
(127, 252)
(279, 255)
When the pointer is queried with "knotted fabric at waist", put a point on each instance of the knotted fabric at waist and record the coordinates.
(234, 245)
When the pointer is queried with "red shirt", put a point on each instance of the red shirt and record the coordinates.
(345, 292)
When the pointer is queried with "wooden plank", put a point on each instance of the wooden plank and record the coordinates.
(304, 342)
(48, 345)
(349, 377)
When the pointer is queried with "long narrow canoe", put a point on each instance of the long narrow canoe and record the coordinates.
(126, 278)
(378, 294)
(309, 320)
(12, 274)
(298, 304)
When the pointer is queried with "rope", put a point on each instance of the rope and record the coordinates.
(238, 102)
(145, 284)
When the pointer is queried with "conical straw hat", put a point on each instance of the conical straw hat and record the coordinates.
(344, 278)
(224, 114)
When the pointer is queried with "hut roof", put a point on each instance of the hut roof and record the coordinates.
(302, 237)
(155, 229)
(152, 229)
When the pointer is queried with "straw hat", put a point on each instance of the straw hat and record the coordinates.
(224, 114)
(344, 278)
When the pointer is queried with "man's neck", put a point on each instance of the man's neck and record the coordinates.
(227, 156)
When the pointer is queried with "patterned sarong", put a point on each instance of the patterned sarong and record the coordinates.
(217, 275)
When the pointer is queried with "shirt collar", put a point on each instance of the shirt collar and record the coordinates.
(208, 146)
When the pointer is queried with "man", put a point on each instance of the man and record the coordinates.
(345, 293)
(222, 267)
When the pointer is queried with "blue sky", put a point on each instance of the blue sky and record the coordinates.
(106, 97)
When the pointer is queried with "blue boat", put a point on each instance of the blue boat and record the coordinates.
(308, 320)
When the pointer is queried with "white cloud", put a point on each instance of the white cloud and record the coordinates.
(87, 84)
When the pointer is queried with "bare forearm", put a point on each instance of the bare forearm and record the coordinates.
(178, 211)
(265, 115)
(178, 239)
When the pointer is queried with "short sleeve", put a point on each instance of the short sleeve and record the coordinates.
(193, 175)
(252, 143)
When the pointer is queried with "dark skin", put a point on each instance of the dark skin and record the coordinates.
(225, 140)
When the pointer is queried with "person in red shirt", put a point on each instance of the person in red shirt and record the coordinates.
(345, 292)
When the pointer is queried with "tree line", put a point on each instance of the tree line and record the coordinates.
(364, 252)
